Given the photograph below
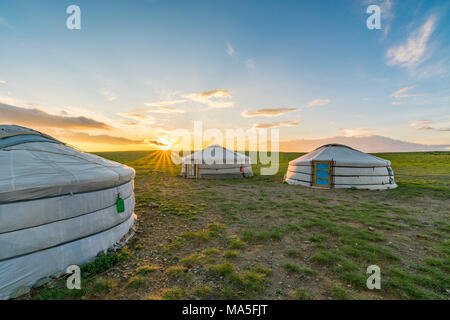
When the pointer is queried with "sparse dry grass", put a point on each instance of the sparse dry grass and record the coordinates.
(260, 238)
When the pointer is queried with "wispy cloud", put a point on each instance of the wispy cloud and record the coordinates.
(250, 64)
(230, 50)
(165, 109)
(2, 82)
(109, 95)
(432, 69)
(267, 112)
(420, 122)
(387, 12)
(102, 139)
(319, 102)
(157, 143)
(129, 123)
(214, 98)
(414, 51)
(39, 118)
(399, 94)
(357, 132)
(165, 103)
(276, 124)
(424, 125)
(5, 23)
(424, 128)
(136, 116)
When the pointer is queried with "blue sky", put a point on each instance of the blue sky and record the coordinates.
(145, 68)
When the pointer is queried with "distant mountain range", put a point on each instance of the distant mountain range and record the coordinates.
(371, 144)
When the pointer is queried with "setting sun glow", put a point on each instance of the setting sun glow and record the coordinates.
(164, 144)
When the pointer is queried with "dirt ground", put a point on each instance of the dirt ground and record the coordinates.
(259, 238)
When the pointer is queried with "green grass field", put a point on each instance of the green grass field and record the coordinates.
(259, 238)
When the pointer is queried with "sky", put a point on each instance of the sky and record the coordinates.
(138, 70)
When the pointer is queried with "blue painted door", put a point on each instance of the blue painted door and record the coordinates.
(322, 174)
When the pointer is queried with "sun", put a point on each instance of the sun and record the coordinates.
(164, 148)
(164, 144)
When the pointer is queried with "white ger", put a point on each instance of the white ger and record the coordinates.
(339, 166)
(58, 207)
(215, 162)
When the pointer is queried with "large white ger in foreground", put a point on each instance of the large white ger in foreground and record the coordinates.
(58, 207)
(339, 166)
(215, 162)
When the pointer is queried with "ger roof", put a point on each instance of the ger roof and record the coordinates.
(212, 152)
(342, 156)
(7, 131)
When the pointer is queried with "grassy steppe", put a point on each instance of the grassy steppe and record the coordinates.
(260, 238)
